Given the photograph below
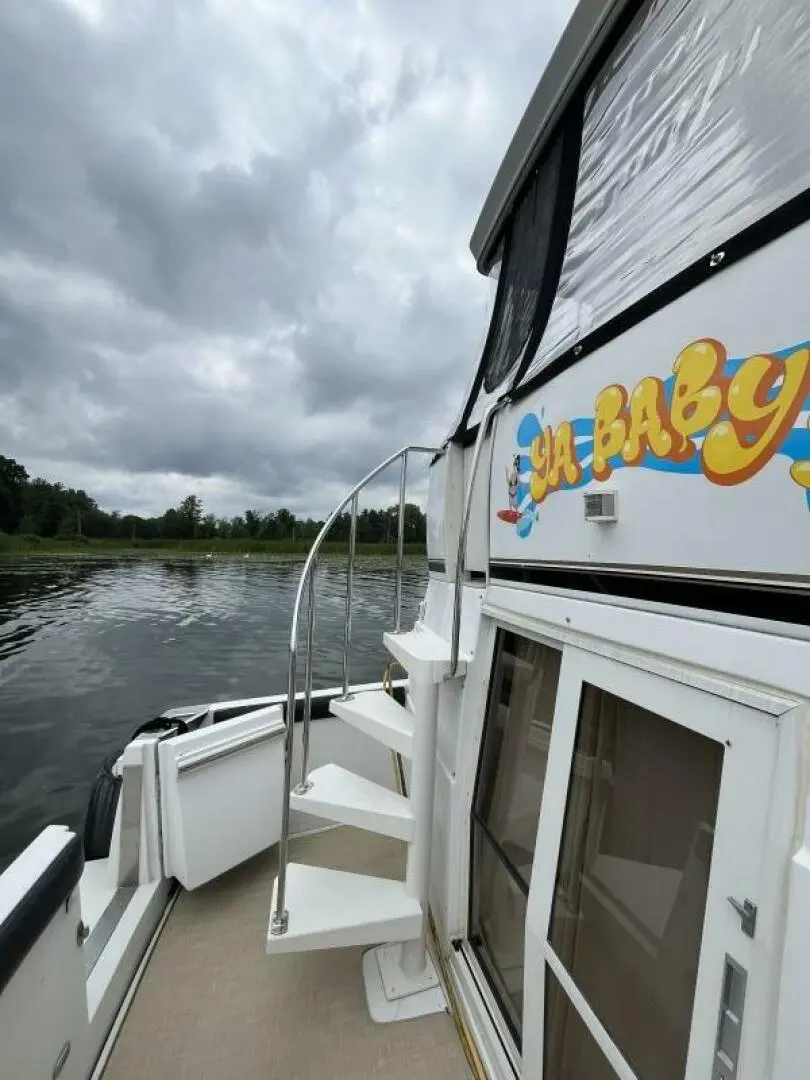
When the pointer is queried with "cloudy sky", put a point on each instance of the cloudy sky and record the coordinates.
(234, 235)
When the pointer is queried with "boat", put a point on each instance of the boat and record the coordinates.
(567, 834)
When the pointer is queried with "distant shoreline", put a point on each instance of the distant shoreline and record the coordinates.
(219, 548)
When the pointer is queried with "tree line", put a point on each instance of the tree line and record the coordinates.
(37, 507)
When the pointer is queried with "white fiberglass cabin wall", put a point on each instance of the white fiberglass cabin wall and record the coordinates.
(628, 891)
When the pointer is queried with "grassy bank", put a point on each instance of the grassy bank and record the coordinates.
(34, 545)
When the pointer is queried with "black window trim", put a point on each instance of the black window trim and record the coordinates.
(477, 946)
(778, 223)
(592, 50)
(474, 940)
(498, 850)
(569, 131)
(773, 601)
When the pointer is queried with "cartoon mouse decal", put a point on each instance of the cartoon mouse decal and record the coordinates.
(512, 515)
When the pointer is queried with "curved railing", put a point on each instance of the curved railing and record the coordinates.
(279, 920)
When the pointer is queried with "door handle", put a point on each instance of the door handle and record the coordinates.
(747, 910)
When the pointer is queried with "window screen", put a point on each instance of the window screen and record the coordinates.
(533, 249)
(696, 127)
(524, 272)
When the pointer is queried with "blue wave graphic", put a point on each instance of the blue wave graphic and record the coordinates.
(796, 446)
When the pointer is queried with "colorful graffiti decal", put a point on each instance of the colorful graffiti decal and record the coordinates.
(720, 417)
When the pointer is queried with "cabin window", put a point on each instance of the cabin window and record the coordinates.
(530, 258)
(697, 126)
(506, 810)
(630, 893)
(523, 272)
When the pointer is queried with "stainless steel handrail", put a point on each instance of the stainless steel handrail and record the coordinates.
(304, 785)
(280, 918)
(347, 623)
(480, 439)
(400, 543)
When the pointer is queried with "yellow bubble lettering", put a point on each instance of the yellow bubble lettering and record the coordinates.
(800, 470)
(609, 429)
(564, 461)
(648, 427)
(697, 396)
(540, 455)
(760, 414)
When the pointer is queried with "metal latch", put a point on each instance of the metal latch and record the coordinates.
(748, 915)
(61, 1060)
(729, 1021)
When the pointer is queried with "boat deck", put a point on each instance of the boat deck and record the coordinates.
(213, 1006)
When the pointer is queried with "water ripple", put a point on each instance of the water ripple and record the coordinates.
(90, 648)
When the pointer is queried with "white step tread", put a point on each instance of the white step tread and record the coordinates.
(424, 654)
(377, 714)
(329, 909)
(340, 795)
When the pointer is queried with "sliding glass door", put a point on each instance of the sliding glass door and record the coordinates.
(619, 826)
(506, 809)
(637, 962)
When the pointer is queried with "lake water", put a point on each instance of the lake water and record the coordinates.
(89, 649)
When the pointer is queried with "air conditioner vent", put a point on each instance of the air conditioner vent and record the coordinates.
(601, 506)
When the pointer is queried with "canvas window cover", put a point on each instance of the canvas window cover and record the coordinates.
(523, 272)
(697, 127)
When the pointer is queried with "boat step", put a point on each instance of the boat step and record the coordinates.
(424, 654)
(377, 714)
(340, 795)
(329, 909)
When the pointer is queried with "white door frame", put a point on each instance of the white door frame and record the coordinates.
(765, 822)
(790, 717)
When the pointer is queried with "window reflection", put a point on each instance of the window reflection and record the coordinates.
(632, 878)
(506, 810)
(570, 1051)
(516, 743)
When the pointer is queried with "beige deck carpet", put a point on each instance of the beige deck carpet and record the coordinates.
(213, 1006)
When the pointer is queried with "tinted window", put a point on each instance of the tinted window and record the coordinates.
(632, 878)
(506, 809)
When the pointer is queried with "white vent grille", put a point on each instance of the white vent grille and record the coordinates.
(601, 506)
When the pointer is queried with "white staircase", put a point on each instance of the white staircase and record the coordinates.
(330, 908)
(377, 714)
(343, 796)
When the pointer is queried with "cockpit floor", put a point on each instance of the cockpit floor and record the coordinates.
(213, 1006)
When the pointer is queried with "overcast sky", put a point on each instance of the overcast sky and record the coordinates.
(234, 235)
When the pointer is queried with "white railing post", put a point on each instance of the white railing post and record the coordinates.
(425, 698)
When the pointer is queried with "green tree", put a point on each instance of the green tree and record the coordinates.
(44, 506)
(285, 523)
(208, 527)
(415, 524)
(254, 522)
(238, 529)
(170, 527)
(189, 516)
(13, 483)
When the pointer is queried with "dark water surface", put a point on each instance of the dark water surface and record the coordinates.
(89, 649)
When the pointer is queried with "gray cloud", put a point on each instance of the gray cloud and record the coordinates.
(233, 237)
